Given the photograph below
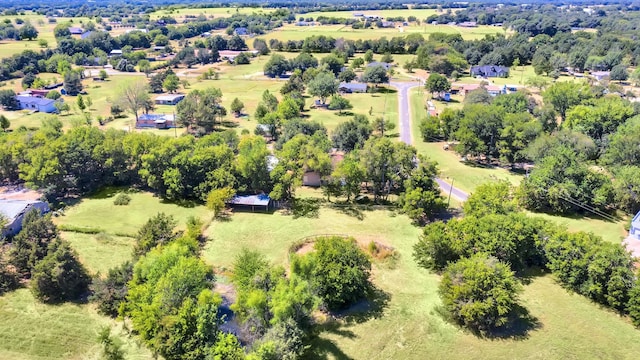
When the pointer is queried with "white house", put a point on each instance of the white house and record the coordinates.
(15, 210)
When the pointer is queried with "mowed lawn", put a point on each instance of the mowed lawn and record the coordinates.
(30, 330)
(98, 211)
(92, 248)
(215, 12)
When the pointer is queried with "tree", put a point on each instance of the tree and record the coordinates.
(4, 123)
(634, 304)
(261, 46)
(171, 83)
(437, 83)
(269, 101)
(110, 293)
(376, 75)
(242, 59)
(218, 198)
(347, 75)
(103, 75)
(237, 106)
(619, 73)
(421, 200)
(28, 80)
(381, 125)
(8, 99)
(368, 56)
(491, 198)
(145, 66)
(251, 164)
(158, 230)
(111, 347)
(333, 63)
(31, 244)
(200, 110)
(387, 165)
(479, 130)
(386, 58)
(276, 66)
(565, 95)
(43, 43)
(28, 31)
(338, 271)
(59, 276)
(339, 103)
(80, 103)
(352, 134)
(72, 82)
(323, 85)
(480, 292)
(624, 144)
(133, 97)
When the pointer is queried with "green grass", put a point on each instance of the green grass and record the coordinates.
(98, 211)
(610, 231)
(30, 330)
(209, 12)
(92, 249)
(421, 14)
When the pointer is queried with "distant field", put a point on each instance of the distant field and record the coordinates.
(421, 14)
(180, 13)
(30, 330)
(292, 32)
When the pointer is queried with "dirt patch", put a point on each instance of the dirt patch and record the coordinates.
(373, 246)
(18, 192)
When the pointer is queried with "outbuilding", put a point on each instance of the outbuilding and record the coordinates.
(252, 202)
(348, 88)
(158, 121)
(169, 99)
(36, 103)
(15, 210)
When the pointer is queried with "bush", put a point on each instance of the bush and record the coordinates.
(479, 292)
(122, 200)
(109, 293)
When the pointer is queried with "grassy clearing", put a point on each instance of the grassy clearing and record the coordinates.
(179, 14)
(465, 177)
(421, 14)
(98, 211)
(92, 249)
(30, 330)
(610, 231)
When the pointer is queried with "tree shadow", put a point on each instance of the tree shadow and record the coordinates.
(185, 203)
(372, 307)
(321, 349)
(308, 208)
(349, 210)
(344, 113)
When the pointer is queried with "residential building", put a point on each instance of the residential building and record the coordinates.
(76, 30)
(600, 75)
(36, 103)
(14, 212)
(488, 71)
(348, 88)
(385, 65)
(169, 99)
(158, 121)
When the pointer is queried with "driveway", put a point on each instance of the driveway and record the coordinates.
(404, 118)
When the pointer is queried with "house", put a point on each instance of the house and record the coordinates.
(487, 71)
(115, 52)
(313, 178)
(241, 31)
(385, 65)
(169, 99)
(468, 24)
(495, 90)
(76, 30)
(36, 103)
(600, 75)
(305, 23)
(348, 88)
(387, 24)
(261, 202)
(158, 121)
(15, 210)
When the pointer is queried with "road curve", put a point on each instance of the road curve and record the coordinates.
(404, 119)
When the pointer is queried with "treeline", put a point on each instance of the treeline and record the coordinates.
(486, 251)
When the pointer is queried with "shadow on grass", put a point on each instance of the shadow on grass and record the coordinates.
(323, 348)
(349, 210)
(372, 307)
(181, 202)
(308, 208)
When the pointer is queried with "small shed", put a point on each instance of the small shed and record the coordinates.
(15, 210)
(158, 121)
(115, 52)
(253, 202)
(169, 99)
(76, 30)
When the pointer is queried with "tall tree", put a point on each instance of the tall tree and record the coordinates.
(323, 85)
(564, 95)
(201, 110)
(437, 83)
(133, 97)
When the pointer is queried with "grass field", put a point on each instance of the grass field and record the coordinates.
(421, 14)
(98, 211)
(91, 249)
(180, 13)
(30, 330)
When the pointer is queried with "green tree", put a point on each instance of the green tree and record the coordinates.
(387, 165)
(624, 144)
(339, 272)
(133, 97)
(200, 110)
(218, 198)
(251, 164)
(368, 56)
(4, 123)
(479, 130)
(144, 66)
(28, 31)
(480, 292)
(110, 293)
(437, 83)
(339, 103)
(8, 99)
(381, 125)
(269, 101)
(31, 244)
(59, 276)
(333, 63)
(171, 83)
(350, 175)
(352, 134)
(237, 106)
(347, 75)
(619, 73)
(565, 95)
(72, 82)
(111, 346)
(323, 86)
(80, 103)
(158, 230)
(491, 198)
(103, 75)
(276, 66)
(421, 200)
(376, 75)
(634, 304)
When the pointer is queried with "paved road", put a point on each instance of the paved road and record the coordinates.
(404, 116)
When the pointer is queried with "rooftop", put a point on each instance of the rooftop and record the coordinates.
(11, 209)
(34, 100)
(170, 97)
(353, 86)
(251, 200)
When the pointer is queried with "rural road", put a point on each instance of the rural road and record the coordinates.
(404, 117)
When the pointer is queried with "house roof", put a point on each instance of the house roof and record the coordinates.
(157, 117)
(170, 97)
(11, 209)
(116, 51)
(85, 35)
(251, 200)
(377, 63)
(76, 30)
(35, 100)
(489, 69)
(353, 86)
(600, 73)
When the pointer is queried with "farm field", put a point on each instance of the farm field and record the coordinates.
(180, 12)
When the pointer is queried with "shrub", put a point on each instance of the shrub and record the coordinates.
(479, 292)
(122, 200)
